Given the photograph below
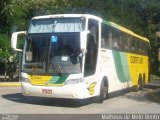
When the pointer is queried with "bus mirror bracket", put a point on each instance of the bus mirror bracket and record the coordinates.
(83, 52)
(14, 40)
(83, 36)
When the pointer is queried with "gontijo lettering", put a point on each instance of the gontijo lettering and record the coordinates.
(36, 77)
(136, 60)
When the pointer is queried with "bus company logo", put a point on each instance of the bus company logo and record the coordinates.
(36, 77)
(136, 60)
(92, 88)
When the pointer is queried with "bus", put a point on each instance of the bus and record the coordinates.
(80, 56)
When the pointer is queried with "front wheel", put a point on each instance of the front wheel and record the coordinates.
(103, 93)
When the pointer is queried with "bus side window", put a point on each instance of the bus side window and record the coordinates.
(103, 43)
(116, 40)
(133, 45)
(92, 47)
(104, 36)
(115, 45)
(139, 46)
(125, 42)
(129, 44)
(125, 45)
(145, 48)
(110, 40)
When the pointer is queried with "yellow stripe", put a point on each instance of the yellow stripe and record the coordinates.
(39, 80)
(10, 84)
(128, 31)
(56, 84)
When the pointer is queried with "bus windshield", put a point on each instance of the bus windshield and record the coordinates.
(50, 25)
(52, 53)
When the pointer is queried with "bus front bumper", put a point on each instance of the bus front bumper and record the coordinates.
(67, 91)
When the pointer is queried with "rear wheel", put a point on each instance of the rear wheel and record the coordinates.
(140, 84)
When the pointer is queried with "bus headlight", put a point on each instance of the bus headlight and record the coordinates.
(74, 81)
(26, 80)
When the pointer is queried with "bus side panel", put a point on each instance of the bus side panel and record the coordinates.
(129, 67)
(122, 67)
(114, 66)
(138, 65)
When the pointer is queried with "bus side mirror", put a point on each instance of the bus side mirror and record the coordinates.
(14, 40)
(83, 39)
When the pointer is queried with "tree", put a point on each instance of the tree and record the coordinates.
(6, 12)
(140, 16)
(4, 47)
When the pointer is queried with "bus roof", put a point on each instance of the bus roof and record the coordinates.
(96, 18)
(68, 15)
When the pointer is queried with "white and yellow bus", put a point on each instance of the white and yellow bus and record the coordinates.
(79, 56)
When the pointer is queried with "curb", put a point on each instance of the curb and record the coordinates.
(10, 84)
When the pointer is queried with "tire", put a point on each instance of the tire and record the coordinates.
(140, 84)
(103, 93)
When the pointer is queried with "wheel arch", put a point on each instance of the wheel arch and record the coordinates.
(140, 82)
(144, 77)
(140, 77)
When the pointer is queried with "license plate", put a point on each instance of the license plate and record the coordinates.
(46, 91)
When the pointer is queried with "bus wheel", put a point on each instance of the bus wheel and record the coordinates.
(140, 84)
(103, 93)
